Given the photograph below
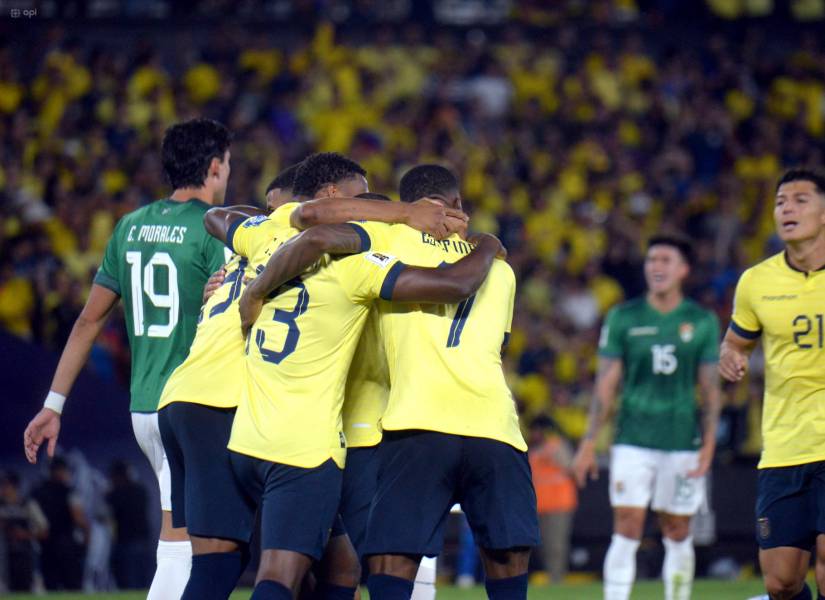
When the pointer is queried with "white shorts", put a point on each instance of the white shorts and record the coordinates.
(147, 434)
(642, 477)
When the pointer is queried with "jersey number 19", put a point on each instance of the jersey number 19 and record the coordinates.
(143, 282)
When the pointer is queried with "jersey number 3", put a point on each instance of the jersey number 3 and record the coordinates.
(143, 282)
(287, 317)
(664, 359)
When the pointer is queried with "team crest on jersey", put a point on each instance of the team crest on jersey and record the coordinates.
(255, 221)
(686, 332)
(620, 487)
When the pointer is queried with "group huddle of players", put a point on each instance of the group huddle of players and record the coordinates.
(273, 395)
(333, 364)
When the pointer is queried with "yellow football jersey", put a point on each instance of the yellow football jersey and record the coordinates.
(211, 373)
(786, 307)
(368, 387)
(298, 354)
(445, 360)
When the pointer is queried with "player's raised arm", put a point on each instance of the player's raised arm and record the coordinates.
(219, 221)
(45, 426)
(608, 376)
(431, 217)
(451, 283)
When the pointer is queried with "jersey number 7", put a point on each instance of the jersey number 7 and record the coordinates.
(459, 320)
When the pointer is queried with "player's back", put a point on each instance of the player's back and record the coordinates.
(445, 360)
(158, 261)
(298, 355)
(215, 365)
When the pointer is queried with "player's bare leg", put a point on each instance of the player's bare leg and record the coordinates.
(392, 575)
(680, 560)
(784, 570)
(620, 561)
(280, 575)
(820, 564)
(506, 573)
(339, 571)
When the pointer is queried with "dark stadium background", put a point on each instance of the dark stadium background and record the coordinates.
(578, 128)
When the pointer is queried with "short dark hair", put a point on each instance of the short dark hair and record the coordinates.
(188, 149)
(426, 180)
(815, 176)
(674, 240)
(374, 196)
(324, 168)
(284, 180)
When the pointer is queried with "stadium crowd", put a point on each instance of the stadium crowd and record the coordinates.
(573, 148)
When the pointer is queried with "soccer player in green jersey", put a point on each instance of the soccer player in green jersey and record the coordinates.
(657, 348)
(158, 259)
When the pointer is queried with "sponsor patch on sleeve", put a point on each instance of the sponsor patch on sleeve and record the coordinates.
(382, 260)
(255, 221)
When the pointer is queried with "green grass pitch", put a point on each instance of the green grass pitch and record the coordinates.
(649, 590)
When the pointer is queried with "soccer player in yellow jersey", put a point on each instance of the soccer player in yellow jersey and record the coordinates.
(287, 439)
(782, 301)
(199, 401)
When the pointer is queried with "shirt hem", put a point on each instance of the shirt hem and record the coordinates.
(520, 447)
(201, 402)
(790, 463)
(269, 458)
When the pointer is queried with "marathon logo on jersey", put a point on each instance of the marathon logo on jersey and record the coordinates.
(686, 332)
(639, 331)
(763, 526)
(382, 260)
(255, 221)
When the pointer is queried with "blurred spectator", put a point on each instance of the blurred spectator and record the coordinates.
(550, 457)
(23, 524)
(64, 550)
(132, 552)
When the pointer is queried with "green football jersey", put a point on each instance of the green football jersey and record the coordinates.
(661, 355)
(158, 260)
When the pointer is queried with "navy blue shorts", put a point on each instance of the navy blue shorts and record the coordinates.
(421, 474)
(360, 481)
(790, 506)
(206, 496)
(298, 506)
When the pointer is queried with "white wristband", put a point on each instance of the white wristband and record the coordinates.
(55, 402)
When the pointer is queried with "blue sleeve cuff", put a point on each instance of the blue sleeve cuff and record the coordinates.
(104, 279)
(389, 281)
(366, 244)
(745, 333)
(230, 233)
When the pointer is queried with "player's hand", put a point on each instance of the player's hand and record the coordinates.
(733, 363)
(584, 463)
(44, 426)
(705, 460)
(477, 238)
(431, 216)
(213, 283)
(250, 306)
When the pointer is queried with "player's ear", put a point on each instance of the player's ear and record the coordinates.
(214, 167)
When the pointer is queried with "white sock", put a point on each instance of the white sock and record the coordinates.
(678, 568)
(620, 567)
(425, 580)
(172, 574)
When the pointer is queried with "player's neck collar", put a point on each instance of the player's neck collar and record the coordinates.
(793, 268)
